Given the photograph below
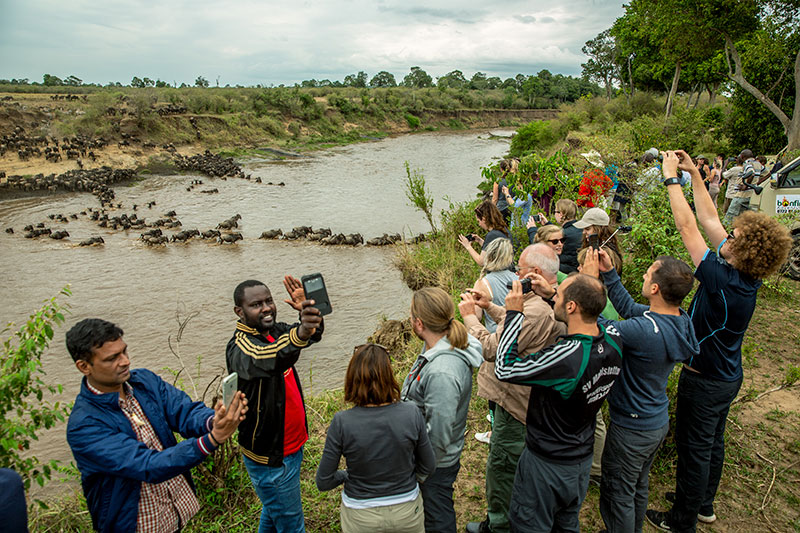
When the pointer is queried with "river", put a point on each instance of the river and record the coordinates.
(356, 188)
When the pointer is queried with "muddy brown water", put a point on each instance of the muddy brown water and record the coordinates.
(358, 188)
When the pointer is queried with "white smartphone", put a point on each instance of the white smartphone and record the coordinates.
(229, 387)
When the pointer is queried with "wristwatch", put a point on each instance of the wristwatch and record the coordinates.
(672, 181)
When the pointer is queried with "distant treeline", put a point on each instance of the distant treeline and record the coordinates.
(544, 89)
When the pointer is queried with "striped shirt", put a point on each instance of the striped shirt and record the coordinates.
(166, 506)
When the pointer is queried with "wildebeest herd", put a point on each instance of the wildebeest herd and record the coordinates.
(98, 181)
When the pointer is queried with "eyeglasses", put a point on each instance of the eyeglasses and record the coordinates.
(556, 241)
(731, 236)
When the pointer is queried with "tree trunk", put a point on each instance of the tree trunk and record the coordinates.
(695, 89)
(630, 75)
(674, 89)
(712, 93)
(790, 125)
(608, 89)
(793, 134)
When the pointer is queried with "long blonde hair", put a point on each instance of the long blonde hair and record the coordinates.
(435, 309)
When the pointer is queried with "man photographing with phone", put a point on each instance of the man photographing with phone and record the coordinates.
(263, 352)
(135, 475)
(721, 311)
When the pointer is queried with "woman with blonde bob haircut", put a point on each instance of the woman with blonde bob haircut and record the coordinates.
(386, 446)
(495, 276)
(440, 384)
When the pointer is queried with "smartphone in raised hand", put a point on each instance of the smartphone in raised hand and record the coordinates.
(229, 387)
(314, 285)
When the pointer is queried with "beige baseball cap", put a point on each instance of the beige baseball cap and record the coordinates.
(593, 217)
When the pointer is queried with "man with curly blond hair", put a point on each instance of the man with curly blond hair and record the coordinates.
(721, 311)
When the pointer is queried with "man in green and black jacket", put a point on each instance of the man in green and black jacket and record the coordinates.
(569, 381)
(263, 352)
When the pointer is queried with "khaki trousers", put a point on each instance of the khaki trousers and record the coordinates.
(408, 517)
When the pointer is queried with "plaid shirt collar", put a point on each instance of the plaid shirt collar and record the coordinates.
(126, 386)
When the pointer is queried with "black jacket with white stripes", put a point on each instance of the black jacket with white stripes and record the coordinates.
(569, 381)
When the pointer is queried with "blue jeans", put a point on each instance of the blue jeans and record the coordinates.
(278, 488)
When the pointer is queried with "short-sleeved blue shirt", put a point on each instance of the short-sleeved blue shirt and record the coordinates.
(721, 311)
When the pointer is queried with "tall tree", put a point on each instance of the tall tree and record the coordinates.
(478, 81)
(51, 80)
(602, 64)
(417, 79)
(775, 47)
(356, 80)
(454, 79)
(383, 79)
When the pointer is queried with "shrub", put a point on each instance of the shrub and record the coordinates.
(413, 122)
(23, 410)
(537, 135)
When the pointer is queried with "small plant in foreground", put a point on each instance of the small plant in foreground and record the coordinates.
(23, 410)
(420, 196)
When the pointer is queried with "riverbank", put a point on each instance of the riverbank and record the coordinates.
(137, 128)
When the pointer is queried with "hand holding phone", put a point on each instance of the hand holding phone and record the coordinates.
(229, 387)
(314, 287)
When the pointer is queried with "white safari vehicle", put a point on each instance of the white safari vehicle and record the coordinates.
(782, 196)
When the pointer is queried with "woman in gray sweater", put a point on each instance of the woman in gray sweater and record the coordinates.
(386, 446)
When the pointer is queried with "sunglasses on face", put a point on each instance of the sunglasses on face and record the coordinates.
(556, 241)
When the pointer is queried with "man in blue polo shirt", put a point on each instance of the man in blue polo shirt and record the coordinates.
(721, 311)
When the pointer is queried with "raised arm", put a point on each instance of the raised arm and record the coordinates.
(706, 210)
(681, 212)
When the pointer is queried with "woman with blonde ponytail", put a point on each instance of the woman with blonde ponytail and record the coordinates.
(440, 384)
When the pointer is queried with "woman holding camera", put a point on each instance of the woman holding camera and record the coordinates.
(386, 446)
(490, 219)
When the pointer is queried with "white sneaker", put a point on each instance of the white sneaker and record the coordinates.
(489, 418)
(483, 437)
(706, 519)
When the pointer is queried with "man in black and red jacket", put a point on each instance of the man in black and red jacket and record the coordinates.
(263, 352)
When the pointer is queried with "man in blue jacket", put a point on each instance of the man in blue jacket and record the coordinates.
(655, 337)
(134, 474)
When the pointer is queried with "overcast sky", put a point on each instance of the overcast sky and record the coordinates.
(253, 42)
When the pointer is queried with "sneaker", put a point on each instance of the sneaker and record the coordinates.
(483, 437)
(489, 418)
(594, 479)
(658, 519)
(478, 527)
(704, 518)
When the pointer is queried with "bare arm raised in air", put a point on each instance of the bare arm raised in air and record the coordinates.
(681, 212)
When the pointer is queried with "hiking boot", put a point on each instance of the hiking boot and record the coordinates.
(478, 527)
(658, 519)
(706, 518)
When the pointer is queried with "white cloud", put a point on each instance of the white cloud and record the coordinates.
(250, 41)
